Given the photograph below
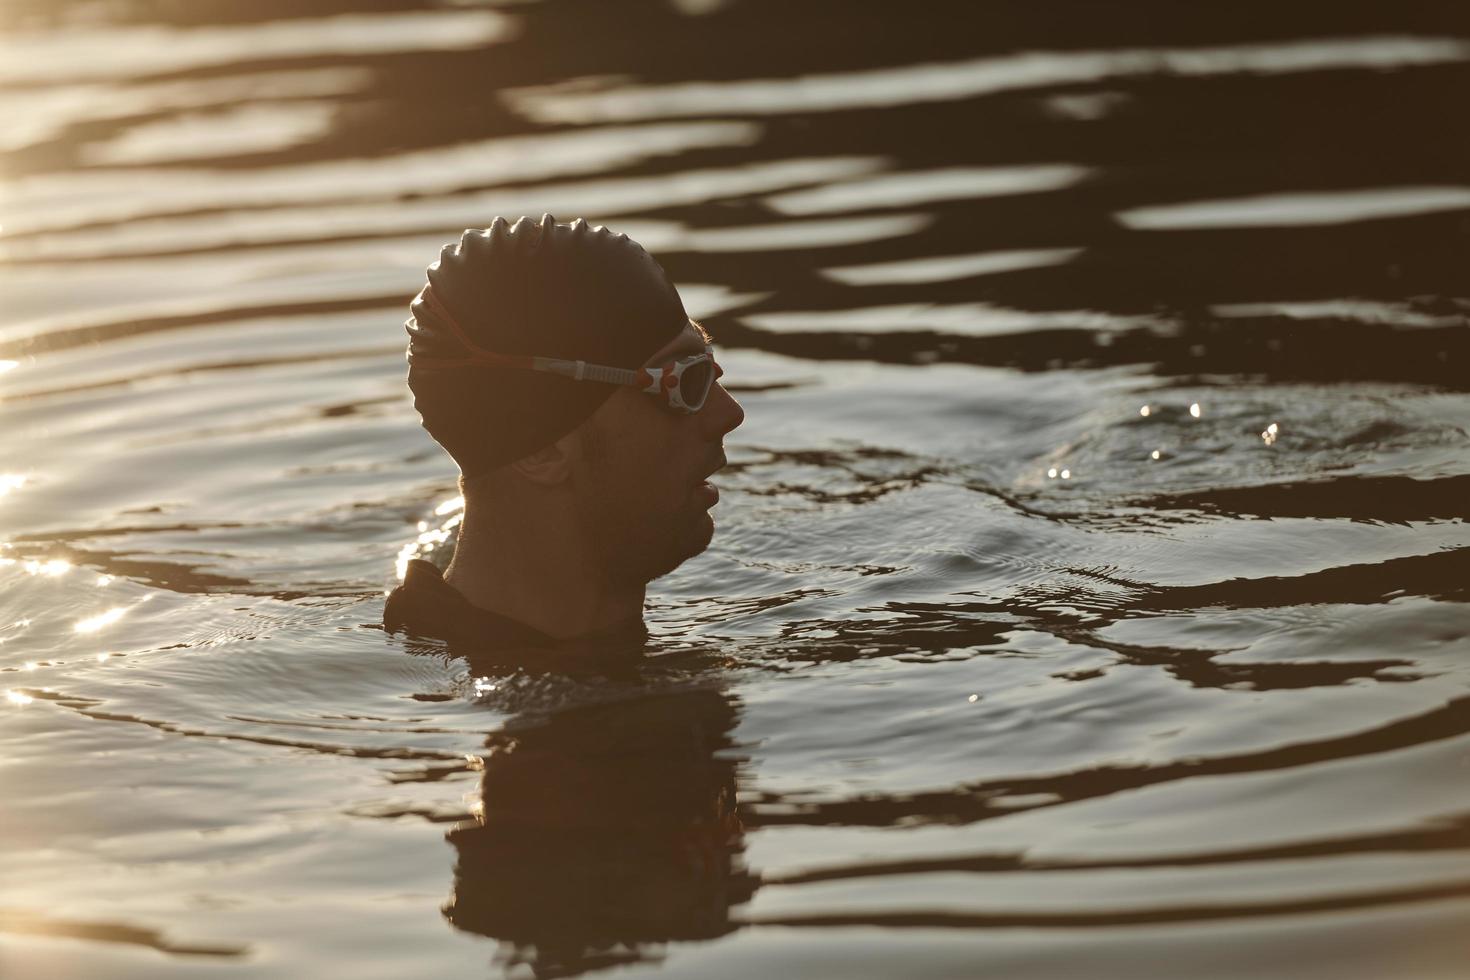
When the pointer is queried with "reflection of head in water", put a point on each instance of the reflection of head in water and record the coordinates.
(587, 488)
(605, 829)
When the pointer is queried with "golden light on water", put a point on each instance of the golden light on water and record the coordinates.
(95, 623)
(404, 555)
(50, 569)
(204, 221)
(429, 537)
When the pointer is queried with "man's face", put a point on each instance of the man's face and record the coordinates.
(642, 496)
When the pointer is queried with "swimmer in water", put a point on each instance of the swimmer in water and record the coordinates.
(556, 365)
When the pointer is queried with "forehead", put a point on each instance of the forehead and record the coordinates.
(691, 340)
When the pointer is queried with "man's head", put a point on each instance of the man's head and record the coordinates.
(622, 464)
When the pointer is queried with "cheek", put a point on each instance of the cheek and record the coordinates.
(641, 455)
(636, 473)
(653, 446)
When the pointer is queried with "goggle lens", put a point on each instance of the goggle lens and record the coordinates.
(695, 383)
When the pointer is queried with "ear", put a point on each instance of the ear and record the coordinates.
(549, 465)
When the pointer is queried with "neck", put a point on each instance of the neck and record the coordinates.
(547, 580)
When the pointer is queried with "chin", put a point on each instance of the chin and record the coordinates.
(704, 533)
(634, 547)
(701, 533)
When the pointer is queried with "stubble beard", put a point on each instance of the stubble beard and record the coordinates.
(632, 547)
(633, 542)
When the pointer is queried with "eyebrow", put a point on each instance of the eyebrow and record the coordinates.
(704, 333)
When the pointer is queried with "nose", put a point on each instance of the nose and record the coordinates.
(721, 413)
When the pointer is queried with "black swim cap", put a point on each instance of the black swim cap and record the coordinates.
(532, 288)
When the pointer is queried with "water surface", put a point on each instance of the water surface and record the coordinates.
(1088, 597)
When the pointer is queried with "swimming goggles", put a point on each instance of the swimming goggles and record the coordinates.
(684, 383)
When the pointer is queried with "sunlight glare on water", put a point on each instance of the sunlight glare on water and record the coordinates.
(1088, 589)
(94, 623)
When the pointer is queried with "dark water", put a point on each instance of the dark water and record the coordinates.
(1089, 594)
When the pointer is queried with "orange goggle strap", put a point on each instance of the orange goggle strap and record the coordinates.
(651, 380)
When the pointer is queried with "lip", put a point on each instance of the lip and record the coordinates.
(708, 490)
